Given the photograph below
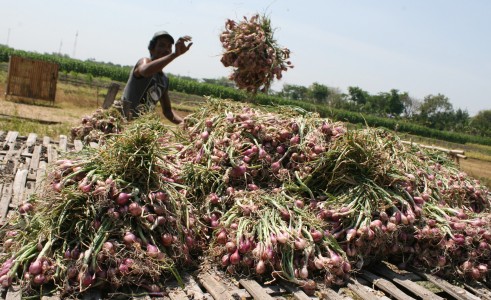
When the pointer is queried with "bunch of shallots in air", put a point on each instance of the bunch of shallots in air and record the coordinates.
(256, 57)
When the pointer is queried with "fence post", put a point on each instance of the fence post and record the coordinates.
(111, 95)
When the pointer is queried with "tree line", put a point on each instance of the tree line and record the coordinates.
(434, 111)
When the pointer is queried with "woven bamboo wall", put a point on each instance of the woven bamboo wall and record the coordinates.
(28, 78)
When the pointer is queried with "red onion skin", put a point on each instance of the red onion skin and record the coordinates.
(244, 246)
(72, 272)
(167, 239)
(316, 235)
(123, 198)
(300, 243)
(231, 247)
(152, 250)
(124, 269)
(57, 187)
(87, 279)
(8, 243)
(190, 242)
(36, 267)
(299, 203)
(129, 238)
(475, 274)
(225, 260)
(39, 279)
(135, 209)
(75, 253)
(260, 267)
(222, 237)
(108, 247)
(25, 208)
(235, 258)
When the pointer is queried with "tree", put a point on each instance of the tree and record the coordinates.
(436, 112)
(385, 104)
(395, 106)
(376, 104)
(411, 106)
(358, 95)
(318, 92)
(294, 92)
(481, 123)
(461, 120)
(336, 98)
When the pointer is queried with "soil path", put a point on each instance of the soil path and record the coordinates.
(36, 112)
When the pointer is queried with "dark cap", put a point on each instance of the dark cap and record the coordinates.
(162, 33)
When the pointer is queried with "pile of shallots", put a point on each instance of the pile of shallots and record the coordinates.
(267, 192)
(253, 53)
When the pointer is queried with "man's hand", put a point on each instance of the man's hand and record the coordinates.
(181, 46)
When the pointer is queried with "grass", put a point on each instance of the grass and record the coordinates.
(26, 127)
(476, 151)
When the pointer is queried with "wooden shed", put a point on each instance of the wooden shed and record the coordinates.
(32, 79)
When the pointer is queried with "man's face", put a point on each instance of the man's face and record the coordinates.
(163, 47)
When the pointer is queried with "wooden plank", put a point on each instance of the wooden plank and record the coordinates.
(25, 164)
(33, 166)
(30, 189)
(178, 294)
(385, 285)
(479, 289)
(41, 173)
(415, 288)
(31, 139)
(78, 145)
(46, 141)
(360, 290)
(52, 154)
(5, 200)
(378, 293)
(217, 290)
(11, 136)
(11, 155)
(19, 188)
(255, 289)
(275, 290)
(63, 143)
(10, 139)
(454, 291)
(241, 294)
(53, 297)
(14, 293)
(192, 288)
(296, 292)
(330, 294)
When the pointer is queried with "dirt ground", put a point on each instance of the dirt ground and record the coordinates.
(477, 168)
(41, 113)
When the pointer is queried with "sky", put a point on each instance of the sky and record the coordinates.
(422, 47)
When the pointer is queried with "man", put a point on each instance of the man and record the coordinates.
(147, 83)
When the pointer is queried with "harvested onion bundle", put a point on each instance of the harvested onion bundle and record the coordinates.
(96, 127)
(253, 53)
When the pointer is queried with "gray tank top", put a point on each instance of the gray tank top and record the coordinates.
(143, 94)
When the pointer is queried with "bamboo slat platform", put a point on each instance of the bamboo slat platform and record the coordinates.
(23, 165)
